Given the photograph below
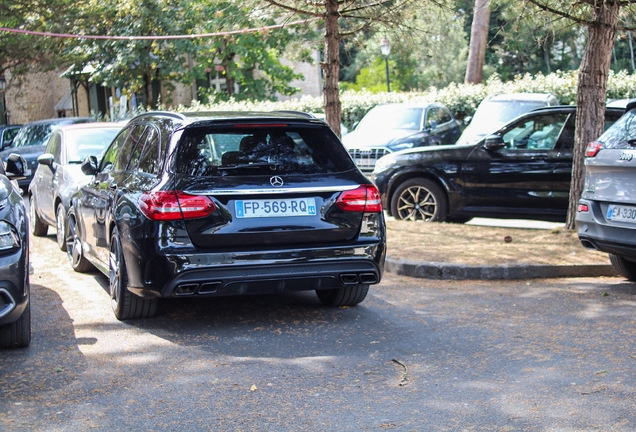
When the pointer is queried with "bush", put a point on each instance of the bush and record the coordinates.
(461, 99)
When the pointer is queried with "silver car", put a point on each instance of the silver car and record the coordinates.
(606, 216)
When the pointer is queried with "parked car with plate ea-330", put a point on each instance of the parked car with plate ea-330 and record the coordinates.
(31, 139)
(606, 216)
(217, 204)
(392, 127)
(15, 291)
(59, 173)
(522, 171)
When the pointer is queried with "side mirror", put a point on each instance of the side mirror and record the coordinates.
(431, 125)
(467, 120)
(16, 167)
(494, 142)
(90, 166)
(46, 159)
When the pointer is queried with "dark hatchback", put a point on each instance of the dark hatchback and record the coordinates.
(216, 204)
(30, 142)
(521, 171)
(15, 291)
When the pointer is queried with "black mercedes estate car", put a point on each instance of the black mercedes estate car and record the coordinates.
(217, 204)
(521, 171)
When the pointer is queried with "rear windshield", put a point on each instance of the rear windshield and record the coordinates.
(622, 134)
(288, 149)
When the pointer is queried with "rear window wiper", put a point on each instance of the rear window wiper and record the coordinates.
(249, 165)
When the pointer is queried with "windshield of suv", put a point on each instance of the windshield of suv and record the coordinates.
(261, 150)
(391, 117)
(33, 135)
(500, 112)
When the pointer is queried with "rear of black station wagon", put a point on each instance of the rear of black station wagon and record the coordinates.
(215, 204)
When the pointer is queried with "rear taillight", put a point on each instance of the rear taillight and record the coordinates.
(583, 208)
(593, 148)
(364, 199)
(174, 205)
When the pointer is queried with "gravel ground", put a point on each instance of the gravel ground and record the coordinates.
(416, 355)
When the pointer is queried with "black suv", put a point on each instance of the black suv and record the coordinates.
(215, 204)
(521, 171)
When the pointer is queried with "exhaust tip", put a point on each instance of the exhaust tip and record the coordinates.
(349, 279)
(210, 288)
(186, 289)
(368, 278)
(588, 244)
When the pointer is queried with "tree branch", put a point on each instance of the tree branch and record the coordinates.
(560, 13)
(295, 9)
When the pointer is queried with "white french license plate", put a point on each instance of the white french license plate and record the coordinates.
(621, 213)
(365, 162)
(275, 208)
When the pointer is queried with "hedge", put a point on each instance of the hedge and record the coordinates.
(461, 99)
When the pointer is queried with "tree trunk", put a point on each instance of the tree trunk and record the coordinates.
(591, 93)
(478, 42)
(331, 66)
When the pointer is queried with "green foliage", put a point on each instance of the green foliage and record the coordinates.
(249, 60)
(373, 78)
(461, 99)
(22, 53)
(429, 48)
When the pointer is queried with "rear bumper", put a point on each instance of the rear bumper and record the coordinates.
(596, 232)
(225, 274)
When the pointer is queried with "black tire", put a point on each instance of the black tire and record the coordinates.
(18, 333)
(348, 296)
(74, 249)
(60, 224)
(624, 266)
(419, 199)
(125, 304)
(36, 226)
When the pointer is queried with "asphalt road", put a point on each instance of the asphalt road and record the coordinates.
(416, 355)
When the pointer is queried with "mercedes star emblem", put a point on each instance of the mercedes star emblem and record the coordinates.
(276, 181)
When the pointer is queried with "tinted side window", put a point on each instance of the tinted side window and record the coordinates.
(8, 135)
(53, 147)
(439, 116)
(125, 152)
(110, 156)
(146, 155)
(540, 132)
(621, 133)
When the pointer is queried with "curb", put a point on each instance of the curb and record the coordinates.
(433, 270)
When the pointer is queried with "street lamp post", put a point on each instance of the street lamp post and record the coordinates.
(385, 47)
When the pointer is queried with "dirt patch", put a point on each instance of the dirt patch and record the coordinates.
(481, 245)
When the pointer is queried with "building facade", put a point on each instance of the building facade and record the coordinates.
(43, 95)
